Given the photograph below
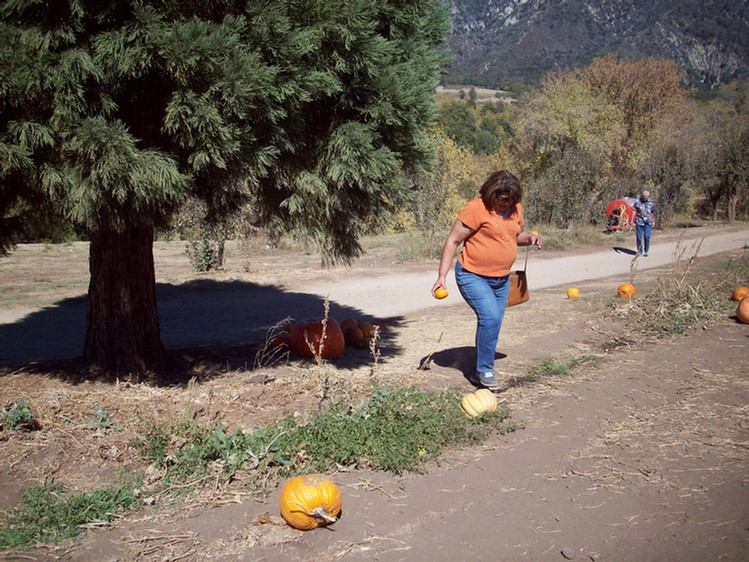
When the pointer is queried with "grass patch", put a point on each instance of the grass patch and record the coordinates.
(419, 246)
(396, 430)
(687, 297)
(550, 367)
(578, 237)
(48, 514)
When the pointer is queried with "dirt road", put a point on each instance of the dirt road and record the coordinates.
(225, 312)
(401, 293)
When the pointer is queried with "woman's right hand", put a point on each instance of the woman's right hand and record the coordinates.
(439, 283)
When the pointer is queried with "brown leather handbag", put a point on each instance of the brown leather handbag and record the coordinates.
(519, 292)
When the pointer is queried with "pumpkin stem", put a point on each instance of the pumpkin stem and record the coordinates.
(318, 513)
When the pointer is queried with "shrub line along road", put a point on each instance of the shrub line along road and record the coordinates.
(403, 293)
(235, 312)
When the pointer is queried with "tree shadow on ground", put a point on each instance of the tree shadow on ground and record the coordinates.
(461, 359)
(202, 322)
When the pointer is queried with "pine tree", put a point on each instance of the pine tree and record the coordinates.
(114, 112)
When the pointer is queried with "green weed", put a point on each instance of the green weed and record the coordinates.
(18, 415)
(48, 514)
(550, 367)
(396, 430)
(100, 419)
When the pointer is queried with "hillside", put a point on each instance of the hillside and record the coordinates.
(496, 42)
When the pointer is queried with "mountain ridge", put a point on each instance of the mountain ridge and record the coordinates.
(495, 42)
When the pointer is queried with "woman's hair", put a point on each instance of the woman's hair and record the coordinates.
(501, 183)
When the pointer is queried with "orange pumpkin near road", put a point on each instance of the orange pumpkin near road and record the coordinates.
(348, 322)
(352, 334)
(310, 501)
(742, 311)
(626, 290)
(367, 329)
(306, 339)
(440, 293)
(573, 293)
(739, 293)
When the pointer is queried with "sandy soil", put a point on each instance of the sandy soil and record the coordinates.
(643, 457)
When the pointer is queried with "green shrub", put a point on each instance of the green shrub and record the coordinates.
(18, 415)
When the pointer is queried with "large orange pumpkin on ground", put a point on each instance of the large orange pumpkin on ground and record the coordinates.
(626, 290)
(310, 501)
(742, 311)
(306, 339)
(740, 293)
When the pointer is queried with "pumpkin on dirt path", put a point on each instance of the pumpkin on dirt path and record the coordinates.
(310, 501)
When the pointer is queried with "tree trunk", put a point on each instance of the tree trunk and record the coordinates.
(122, 322)
(733, 200)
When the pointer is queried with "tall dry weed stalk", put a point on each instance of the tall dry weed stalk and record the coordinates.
(679, 301)
(633, 268)
(375, 352)
(682, 263)
(268, 355)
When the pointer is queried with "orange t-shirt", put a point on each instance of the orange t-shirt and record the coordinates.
(493, 246)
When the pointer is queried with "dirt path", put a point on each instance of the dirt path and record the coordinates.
(402, 293)
(231, 310)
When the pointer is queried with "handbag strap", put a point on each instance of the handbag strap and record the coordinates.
(527, 250)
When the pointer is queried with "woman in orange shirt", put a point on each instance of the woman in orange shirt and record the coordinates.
(490, 228)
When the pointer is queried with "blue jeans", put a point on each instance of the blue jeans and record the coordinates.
(642, 231)
(487, 296)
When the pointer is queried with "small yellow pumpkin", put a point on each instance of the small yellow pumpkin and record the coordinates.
(626, 290)
(573, 293)
(440, 293)
(310, 501)
(739, 293)
(479, 402)
(742, 311)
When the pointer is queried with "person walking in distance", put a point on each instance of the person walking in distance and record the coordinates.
(490, 228)
(645, 209)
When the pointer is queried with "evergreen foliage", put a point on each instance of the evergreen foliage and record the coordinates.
(116, 112)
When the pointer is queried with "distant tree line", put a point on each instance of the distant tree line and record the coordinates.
(583, 137)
